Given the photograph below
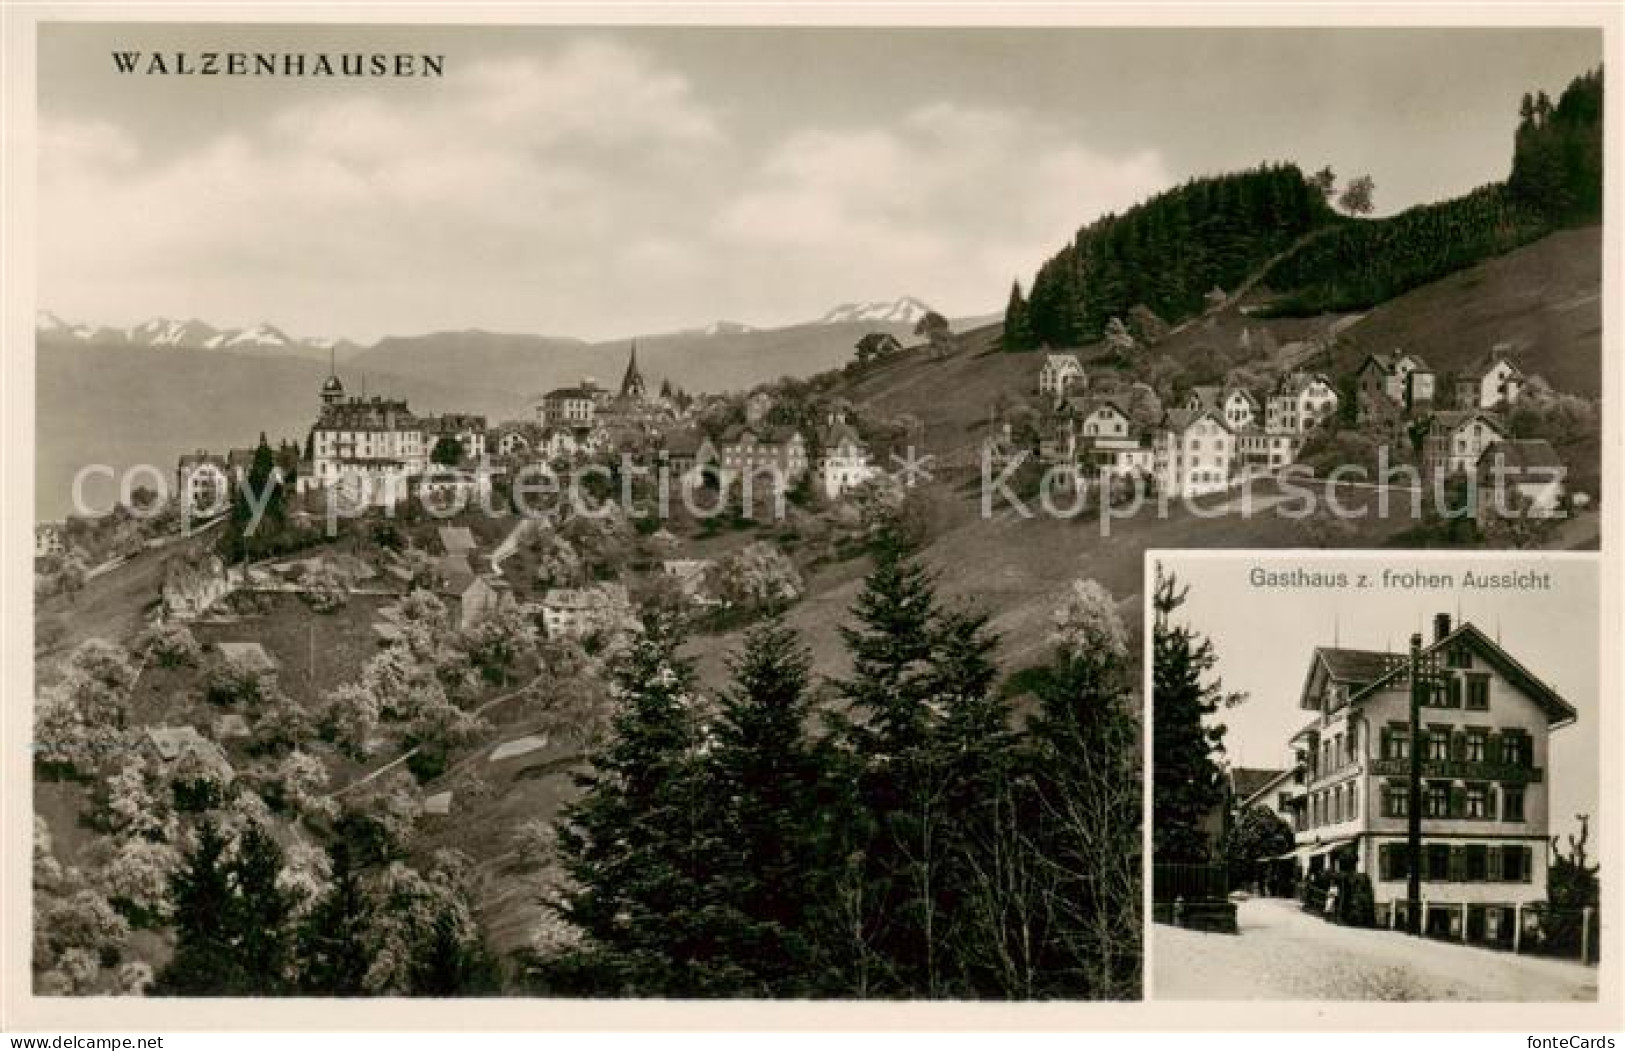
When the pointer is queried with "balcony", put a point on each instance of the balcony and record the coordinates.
(1460, 770)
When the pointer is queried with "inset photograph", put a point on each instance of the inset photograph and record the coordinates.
(1375, 777)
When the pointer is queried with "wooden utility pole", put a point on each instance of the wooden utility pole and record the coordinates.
(1413, 806)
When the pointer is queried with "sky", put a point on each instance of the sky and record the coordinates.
(603, 182)
(1265, 654)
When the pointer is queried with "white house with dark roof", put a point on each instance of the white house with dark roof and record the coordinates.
(1238, 408)
(1302, 402)
(1193, 453)
(1454, 440)
(1059, 373)
(1486, 724)
(1491, 384)
(843, 459)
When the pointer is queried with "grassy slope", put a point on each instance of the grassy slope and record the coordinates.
(1544, 298)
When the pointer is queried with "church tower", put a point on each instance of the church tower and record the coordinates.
(632, 386)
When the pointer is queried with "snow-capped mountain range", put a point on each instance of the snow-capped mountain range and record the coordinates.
(190, 334)
(904, 310)
(266, 338)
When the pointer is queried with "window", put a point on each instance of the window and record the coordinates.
(1438, 862)
(1515, 864)
(1396, 742)
(1512, 803)
(1476, 742)
(1459, 657)
(1478, 862)
(1515, 750)
(1478, 692)
(1439, 744)
(1394, 798)
(1477, 801)
(1436, 800)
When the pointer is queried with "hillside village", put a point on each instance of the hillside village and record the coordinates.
(382, 676)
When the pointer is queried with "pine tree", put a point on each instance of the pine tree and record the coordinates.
(332, 947)
(1186, 744)
(259, 917)
(628, 841)
(204, 963)
(1018, 330)
(779, 811)
(891, 649)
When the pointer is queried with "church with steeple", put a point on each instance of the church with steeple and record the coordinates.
(632, 386)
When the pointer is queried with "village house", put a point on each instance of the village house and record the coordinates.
(1520, 477)
(1399, 379)
(1108, 443)
(1059, 373)
(843, 459)
(571, 407)
(876, 345)
(1001, 450)
(171, 743)
(1455, 439)
(1263, 452)
(1484, 744)
(573, 613)
(472, 596)
(1193, 453)
(512, 442)
(1301, 403)
(192, 583)
(1235, 406)
(775, 454)
(466, 430)
(1493, 383)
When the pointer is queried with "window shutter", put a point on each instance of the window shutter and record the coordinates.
(1458, 864)
(1492, 747)
(1458, 745)
(1494, 865)
(1528, 864)
(1458, 801)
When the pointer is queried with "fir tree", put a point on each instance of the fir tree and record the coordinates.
(1186, 744)
(780, 811)
(628, 841)
(1018, 329)
(204, 963)
(332, 947)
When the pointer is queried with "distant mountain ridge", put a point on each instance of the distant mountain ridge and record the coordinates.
(188, 334)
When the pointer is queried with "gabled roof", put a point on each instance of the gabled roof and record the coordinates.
(1455, 419)
(1182, 419)
(247, 654)
(1246, 781)
(1477, 371)
(1558, 711)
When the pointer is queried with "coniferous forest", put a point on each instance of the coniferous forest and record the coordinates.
(909, 840)
(1274, 224)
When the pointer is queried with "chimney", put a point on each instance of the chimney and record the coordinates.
(1441, 626)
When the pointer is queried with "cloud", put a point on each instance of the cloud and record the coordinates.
(587, 192)
(953, 201)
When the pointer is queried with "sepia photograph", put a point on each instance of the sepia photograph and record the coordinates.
(1381, 783)
(663, 512)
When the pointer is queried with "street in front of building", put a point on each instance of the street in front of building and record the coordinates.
(1284, 953)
